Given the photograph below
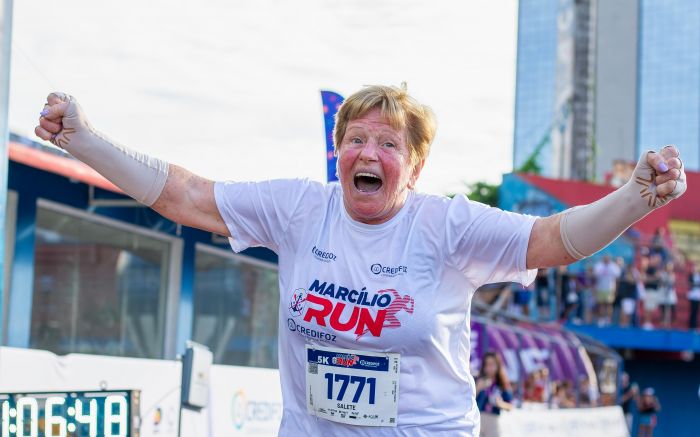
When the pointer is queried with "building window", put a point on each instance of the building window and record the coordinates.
(669, 74)
(100, 286)
(236, 300)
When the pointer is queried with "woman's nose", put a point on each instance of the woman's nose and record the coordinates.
(369, 151)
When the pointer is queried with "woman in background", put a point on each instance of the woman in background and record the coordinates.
(493, 389)
(652, 276)
(648, 406)
(562, 396)
(669, 299)
(627, 292)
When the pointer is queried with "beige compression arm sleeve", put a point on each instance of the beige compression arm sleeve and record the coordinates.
(587, 229)
(137, 174)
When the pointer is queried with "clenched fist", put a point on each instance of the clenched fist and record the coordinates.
(660, 176)
(63, 122)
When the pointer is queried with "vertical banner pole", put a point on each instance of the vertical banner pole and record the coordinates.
(5, 52)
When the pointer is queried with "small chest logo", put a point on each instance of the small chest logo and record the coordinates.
(390, 271)
(323, 255)
(298, 302)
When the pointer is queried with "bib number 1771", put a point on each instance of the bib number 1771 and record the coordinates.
(351, 386)
(341, 389)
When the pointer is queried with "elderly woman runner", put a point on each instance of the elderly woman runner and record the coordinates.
(375, 279)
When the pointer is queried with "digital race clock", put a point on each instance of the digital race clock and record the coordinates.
(109, 413)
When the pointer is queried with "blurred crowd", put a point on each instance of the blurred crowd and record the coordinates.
(641, 292)
(495, 393)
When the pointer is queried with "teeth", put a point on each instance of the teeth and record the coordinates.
(369, 175)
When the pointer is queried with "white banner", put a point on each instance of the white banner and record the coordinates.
(575, 422)
(245, 401)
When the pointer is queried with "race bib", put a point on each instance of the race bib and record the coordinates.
(353, 387)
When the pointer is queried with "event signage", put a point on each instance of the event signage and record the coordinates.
(331, 103)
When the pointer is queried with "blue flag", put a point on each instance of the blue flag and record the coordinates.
(331, 103)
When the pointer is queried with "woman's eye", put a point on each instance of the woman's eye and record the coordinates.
(389, 145)
(356, 141)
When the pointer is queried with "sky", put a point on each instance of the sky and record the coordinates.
(231, 89)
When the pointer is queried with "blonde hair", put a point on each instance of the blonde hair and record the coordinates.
(401, 110)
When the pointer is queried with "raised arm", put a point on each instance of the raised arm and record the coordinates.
(174, 192)
(583, 230)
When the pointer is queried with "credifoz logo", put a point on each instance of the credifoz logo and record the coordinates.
(246, 411)
(309, 333)
(322, 255)
(378, 269)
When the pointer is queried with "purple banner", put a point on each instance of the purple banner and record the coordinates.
(505, 342)
(475, 347)
(527, 347)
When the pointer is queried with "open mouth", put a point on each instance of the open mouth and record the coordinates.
(367, 182)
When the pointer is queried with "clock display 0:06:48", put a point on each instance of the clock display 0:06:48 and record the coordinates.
(77, 414)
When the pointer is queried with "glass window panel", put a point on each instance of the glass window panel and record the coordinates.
(535, 79)
(236, 309)
(98, 289)
(669, 74)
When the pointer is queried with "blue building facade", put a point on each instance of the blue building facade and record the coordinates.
(669, 77)
(666, 70)
(535, 80)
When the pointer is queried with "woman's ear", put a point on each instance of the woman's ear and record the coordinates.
(415, 173)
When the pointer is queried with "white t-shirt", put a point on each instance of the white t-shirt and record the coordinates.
(606, 275)
(431, 256)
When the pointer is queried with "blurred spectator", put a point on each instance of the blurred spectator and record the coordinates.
(606, 273)
(493, 389)
(587, 301)
(648, 405)
(652, 276)
(627, 293)
(667, 294)
(660, 245)
(543, 383)
(563, 396)
(630, 394)
(587, 393)
(566, 284)
(617, 302)
(694, 296)
(535, 384)
(543, 295)
(522, 297)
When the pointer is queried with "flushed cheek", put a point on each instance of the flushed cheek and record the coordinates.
(345, 161)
